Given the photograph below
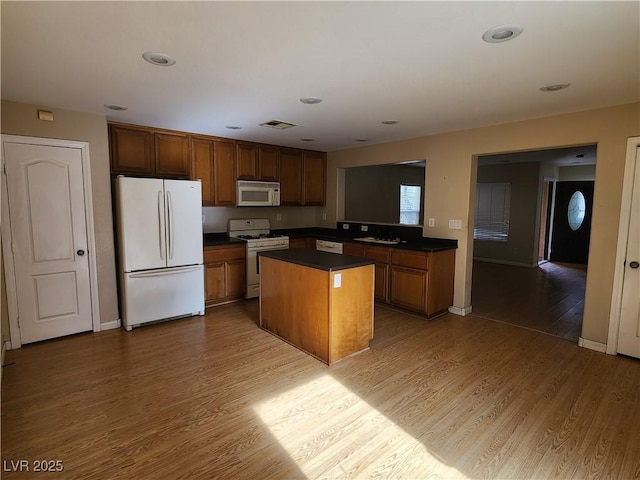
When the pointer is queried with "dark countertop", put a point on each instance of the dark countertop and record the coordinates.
(326, 261)
(423, 244)
(217, 239)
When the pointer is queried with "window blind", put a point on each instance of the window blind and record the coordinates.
(493, 201)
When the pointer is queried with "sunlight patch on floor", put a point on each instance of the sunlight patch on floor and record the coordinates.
(329, 431)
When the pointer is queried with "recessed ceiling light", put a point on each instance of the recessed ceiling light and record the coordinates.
(159, 59)
(390, 122)
(361, 139)
(307, 139)
(310, 100)
(117, 108)
(233, 127)
(502, 33)
(554, 87)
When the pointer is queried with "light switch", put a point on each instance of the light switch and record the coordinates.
(432, 222)
(337, 280)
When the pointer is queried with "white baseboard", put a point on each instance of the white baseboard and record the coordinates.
(460, 311)
(591, 345)
(110, 325)
(505, 262)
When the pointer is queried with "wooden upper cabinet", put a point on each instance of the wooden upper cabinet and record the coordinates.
(314, 178)
(224, 172)
(172, 155)
(269, 164)
(147, 151)
(291, 183)
(131, 150)
(202, 167)
(246, 162)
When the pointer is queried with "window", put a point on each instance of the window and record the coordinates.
(410, 204)
(493, 201)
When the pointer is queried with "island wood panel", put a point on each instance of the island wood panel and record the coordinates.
(294, 305)
(351, 324)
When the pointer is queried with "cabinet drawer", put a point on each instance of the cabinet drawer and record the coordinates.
(410, 259)
(378, 254)
(221, 254)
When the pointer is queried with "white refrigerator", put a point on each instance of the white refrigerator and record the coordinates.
(159, 226)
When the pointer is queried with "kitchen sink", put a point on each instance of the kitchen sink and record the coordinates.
(377, 240)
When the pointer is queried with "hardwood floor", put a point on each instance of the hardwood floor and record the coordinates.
(216, 397)
(548, 299)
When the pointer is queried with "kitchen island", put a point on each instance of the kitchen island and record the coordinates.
(320, 302)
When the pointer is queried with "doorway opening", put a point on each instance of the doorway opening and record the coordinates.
(534, 274)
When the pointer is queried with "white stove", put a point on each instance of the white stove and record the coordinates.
(257, 233)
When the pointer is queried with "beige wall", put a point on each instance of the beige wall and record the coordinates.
(577, 173)
(372, 194)
(21, 119)
(451, 178)
(522, 242)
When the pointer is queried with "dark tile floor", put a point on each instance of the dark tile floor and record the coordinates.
(549, 298)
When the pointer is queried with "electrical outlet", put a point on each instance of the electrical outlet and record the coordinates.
(432, 222)
(455, 224)
(345, 226)
(337, 280)
(364, 228)
(278, 216)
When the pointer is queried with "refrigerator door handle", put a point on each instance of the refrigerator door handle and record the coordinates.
(161, 273)
(170, 224)
(160, 225)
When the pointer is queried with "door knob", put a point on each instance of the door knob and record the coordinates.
(80, 252)
(634, 264)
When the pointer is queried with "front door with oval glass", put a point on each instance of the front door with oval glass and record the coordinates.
(572, 222)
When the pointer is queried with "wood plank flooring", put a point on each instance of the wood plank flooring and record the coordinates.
(549, 298)
(216, 397)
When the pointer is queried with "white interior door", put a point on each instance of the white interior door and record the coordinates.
(46, 200)
(629, 333)
(184, 222)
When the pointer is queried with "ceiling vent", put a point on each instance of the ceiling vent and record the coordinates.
(279, 124)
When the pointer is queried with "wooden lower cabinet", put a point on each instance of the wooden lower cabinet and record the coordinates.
(381, 256)
(418, 281)
(303, 242)
(409, 288)
(225, 273)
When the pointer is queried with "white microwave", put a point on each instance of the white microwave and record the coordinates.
(257, 194)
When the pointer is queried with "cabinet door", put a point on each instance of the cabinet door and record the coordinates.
(224, 175)
(246, 162)
(353, 249)
(297, 243)
(408, 288)
(236, 278)
(290, 178)
(202, 167)
(381, 280)
(214, 281)
(269, 164)
(171, 155)
(131, 150)
(314, 178)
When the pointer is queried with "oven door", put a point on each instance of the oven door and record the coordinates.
(253, 274)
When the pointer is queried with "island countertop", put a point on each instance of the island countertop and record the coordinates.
(326, 261)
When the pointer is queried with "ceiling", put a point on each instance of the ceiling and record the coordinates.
(562, 157)
(423, 64)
